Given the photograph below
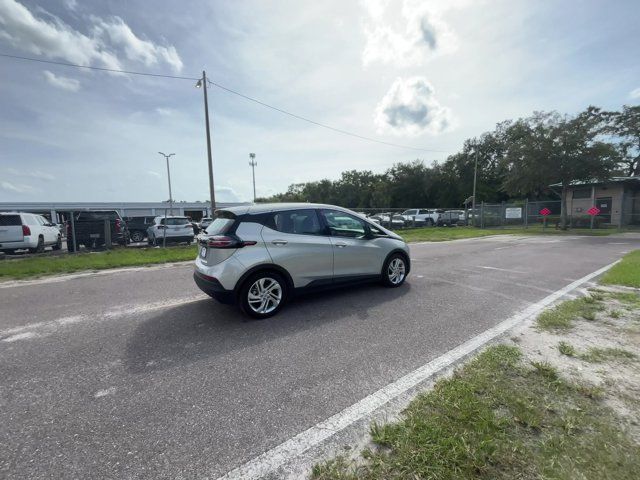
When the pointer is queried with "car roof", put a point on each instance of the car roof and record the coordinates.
(271, 207)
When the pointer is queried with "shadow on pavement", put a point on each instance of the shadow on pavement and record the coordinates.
(192, 332)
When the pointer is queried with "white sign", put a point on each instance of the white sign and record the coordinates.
(513, 212)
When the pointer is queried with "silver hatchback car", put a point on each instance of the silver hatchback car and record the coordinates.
(259, 256)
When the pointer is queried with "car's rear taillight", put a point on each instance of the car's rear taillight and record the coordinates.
(26, 231)
(225, 241)
(118, 225)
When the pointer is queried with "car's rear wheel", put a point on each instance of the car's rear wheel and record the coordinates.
(263, 294)
(137, 236)
(39, 248)
(394, 271)
(58, 244)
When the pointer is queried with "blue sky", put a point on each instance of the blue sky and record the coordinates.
(416, 72)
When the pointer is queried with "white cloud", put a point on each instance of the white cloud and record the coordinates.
(165, 112)
(154, 174)
(31, 174)
(71, 4)
(635, 93)
(65, 83)
(16, 187)
(135, 48)
(421, 32)
(56, 40)
(226, 194)
(411, 108)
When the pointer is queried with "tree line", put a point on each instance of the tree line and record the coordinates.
(518, 159)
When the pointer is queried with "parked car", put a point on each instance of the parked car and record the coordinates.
(170, 230)
(138, 227)
(205, 222)
(259, 256)
(421, 217)
(30, 231)
(398, 221)
(90, 229)
(451, 218)
(383, 219)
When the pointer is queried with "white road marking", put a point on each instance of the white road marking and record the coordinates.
(501, 269)
(40, 329)
(98, 273)
(105, 392)
(19, 336)
(618, 243)
(268, 462)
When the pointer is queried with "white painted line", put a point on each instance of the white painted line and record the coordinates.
(19, 336)
(97, 273)
(501, 269)
(105, 392)
(268, 462)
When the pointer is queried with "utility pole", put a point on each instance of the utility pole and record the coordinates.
(203, 83)
(475, 177)
(169, 178)
(253, 163)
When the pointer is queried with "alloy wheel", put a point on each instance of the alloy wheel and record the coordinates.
(396, 271)
(264, 295)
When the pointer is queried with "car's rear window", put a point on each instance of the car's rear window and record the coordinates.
(222, 223)
(10, 220)
(174, 221)
(97, 216)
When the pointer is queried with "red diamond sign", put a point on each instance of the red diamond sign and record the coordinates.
(593, 211)
(545, 211)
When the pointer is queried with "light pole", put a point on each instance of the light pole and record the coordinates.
(475, 176)
(253, 163)
(203, 83)
(169, 178)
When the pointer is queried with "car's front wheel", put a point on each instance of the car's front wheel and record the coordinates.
(263, 294)
(137, 236)
(394, 271)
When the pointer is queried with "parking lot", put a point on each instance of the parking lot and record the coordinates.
(137, 374)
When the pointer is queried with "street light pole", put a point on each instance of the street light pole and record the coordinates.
(475, 176)
(203, 83)
(253, 163)
(169, 178)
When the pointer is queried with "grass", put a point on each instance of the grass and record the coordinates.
(497, 418)
(440, 234)
(567, 349)
(599, 355)
(626, 273)
(562, 316)
(119, 257)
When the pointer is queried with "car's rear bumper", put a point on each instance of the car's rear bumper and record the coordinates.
(176, 238)
(27, 242)
(212, 287)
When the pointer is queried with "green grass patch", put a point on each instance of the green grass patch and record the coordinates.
(118, 257)
(567, 349)
(599, 355)
(440, 234)
(497, 418)
(561, 317)
(626, 273)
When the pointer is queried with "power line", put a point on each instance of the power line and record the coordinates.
(362, 137)
(102, 69)
(222, 87)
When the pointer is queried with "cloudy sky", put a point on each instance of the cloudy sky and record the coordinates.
(410, 72)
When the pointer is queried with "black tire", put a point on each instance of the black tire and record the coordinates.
(394, 270)
(58, 244)
(137, 236)
(249, 285)
(39, 248)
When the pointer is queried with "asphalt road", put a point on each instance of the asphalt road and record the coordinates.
(136, 374)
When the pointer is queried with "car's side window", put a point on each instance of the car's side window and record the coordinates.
(301, 222)
(344, 225)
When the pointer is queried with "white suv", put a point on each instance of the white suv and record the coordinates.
(20, 231)
(260, 255)
(170, 230)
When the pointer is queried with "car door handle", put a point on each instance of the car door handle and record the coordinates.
(340, 244)
(279, 242)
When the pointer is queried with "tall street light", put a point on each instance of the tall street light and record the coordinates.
(202, 83)
(253, 163)
(169, 178)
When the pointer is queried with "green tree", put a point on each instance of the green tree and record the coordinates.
(625, 128)
(548, 148)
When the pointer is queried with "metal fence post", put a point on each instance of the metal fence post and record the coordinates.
(503, 214)
(164, 230)
(73, 234)
(482, 215)
(526, 213)
(107, 234)
(620, 221)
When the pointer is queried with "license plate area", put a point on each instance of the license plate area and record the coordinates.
(203, 252)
